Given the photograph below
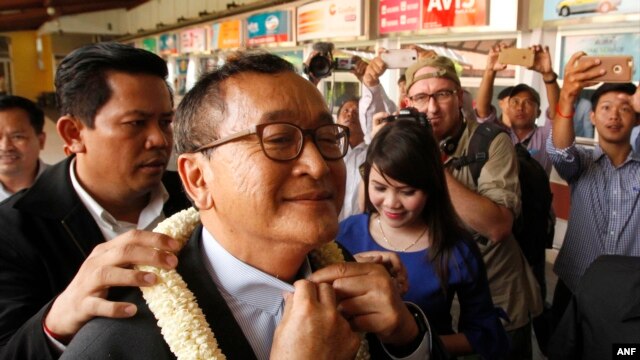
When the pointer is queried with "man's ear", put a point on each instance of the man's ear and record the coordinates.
(69, 129)
(196, 174)
(592, 116)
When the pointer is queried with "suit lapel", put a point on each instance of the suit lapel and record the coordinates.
(52, 197)
(191, 267)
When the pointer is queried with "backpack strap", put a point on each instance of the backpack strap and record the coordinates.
(478, 150)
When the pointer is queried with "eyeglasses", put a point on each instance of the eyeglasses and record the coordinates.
(516, 102)
(441, 97)
(283, 141)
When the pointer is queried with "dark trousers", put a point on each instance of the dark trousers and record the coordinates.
(542, 323)
(520, 343)
(561, 298)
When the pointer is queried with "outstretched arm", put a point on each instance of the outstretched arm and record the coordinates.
(577, 75)
(544, 66)
(485, 92)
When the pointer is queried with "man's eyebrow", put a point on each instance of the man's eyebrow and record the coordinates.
(284, 115)
(147, 114)
(277, 115)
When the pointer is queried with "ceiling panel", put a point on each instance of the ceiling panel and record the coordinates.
(31, 14)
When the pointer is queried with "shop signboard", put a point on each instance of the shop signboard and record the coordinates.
(193, 40)
(168, 44)
(269, 27)
(329, 19)
(399, 15)
(180, 85)
(571, 9)
(450, 13)
(226, 35)
(150, 44)
(602, 44)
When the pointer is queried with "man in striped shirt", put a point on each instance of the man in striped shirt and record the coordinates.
(604, 181)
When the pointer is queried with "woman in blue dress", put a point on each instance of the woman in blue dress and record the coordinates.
(408, 211)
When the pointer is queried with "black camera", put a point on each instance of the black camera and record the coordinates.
(322, 63)
(412, 114)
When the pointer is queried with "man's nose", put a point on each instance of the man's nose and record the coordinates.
(6, 143)
(157, 136)
(432, 105)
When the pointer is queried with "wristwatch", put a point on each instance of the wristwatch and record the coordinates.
(555, 77)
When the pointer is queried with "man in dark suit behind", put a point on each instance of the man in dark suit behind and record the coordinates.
(604, 311)
(55, 266)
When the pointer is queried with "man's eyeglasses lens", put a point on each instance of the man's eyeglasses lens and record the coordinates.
(282, 141)
(441, 97)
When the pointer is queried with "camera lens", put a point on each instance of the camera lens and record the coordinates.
(320, 66)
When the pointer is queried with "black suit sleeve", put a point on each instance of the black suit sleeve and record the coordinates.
(21, 333)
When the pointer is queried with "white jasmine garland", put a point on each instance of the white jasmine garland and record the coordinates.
(181, 321)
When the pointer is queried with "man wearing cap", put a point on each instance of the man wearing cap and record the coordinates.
(503, 103)
(488, 207)
(523, 104)
(605, 187)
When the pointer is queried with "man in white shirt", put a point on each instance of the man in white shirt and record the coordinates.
(267, 176)
(356, 154)
(66, 240)
(21, 139)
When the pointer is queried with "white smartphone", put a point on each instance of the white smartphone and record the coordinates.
(399, 58)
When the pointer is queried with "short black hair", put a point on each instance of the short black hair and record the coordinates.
(505, 92)
(627, 88)
(203, 108)
(36, 116)
(81, 77)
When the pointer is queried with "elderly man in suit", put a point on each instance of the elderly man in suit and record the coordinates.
(267, 176)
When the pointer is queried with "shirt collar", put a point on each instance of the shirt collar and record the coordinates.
(598, 154)
(514, 137)
(148, 216)
(4, 193)
(242, 281)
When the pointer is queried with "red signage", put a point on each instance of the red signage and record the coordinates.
(399, 15)
(447, 13)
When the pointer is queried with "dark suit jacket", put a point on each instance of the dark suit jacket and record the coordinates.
(46, 233)
(139, 338)
(605, 310)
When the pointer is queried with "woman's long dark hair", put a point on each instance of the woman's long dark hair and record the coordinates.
(407, 152)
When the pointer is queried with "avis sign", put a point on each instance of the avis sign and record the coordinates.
(448, 13)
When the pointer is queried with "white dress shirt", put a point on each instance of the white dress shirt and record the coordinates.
(150, 216)
(255, 297)
(352, 161)
(110, 227)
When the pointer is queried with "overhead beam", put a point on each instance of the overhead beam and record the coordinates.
(20, 4)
